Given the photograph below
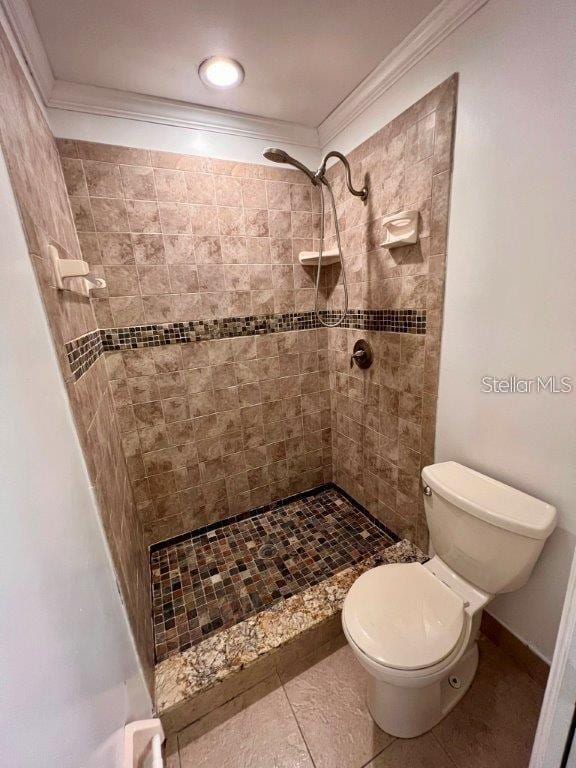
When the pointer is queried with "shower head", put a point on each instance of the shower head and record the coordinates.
(279, 156)
(276, 155)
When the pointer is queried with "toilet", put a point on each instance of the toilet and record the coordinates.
(413, 627)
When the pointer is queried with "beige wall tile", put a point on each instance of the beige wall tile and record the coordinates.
(109, 214)
(143, 216)
(223, 240)
(200, 188)
(138, 182)
(82, 213)
(170, 185)
(102, 179)
(112, 154)
(148, 249)
(47, 218)
(74, 177)
(116, 248)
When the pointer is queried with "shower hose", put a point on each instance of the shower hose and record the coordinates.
(339, 321)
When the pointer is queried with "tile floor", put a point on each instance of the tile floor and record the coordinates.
(316, 717)
(212, 581)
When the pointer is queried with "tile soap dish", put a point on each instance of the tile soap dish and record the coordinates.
(401, 229)
(310, 258)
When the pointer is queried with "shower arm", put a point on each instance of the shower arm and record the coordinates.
(320, 174)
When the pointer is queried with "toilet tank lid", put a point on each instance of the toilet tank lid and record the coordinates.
(490, 500)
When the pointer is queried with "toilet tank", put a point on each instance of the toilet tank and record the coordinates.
(485, 531)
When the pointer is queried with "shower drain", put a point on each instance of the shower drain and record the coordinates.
(267, 550)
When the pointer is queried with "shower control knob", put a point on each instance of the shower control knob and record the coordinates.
(361, 354)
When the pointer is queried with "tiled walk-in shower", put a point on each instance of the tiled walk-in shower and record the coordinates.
(213, 579)
(206, 387)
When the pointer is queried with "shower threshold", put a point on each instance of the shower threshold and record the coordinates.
(238, 600)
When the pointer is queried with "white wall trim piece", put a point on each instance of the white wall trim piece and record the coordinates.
(558, 705)
(95, 100)
(443, 20)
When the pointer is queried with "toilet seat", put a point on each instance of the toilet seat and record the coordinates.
(403, 617)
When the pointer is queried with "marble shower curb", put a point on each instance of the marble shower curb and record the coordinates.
(191, 684)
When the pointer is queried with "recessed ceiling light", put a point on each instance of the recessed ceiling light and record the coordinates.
(221, 72)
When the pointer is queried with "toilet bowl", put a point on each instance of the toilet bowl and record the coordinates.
(413, 627)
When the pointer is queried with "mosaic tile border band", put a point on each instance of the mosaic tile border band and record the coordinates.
(160, 334)
(85, 350)
(275, 505)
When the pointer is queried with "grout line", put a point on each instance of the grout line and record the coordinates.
(297, 722)
(394, 740)
(442, 747)
(241, 517)
(271, 507)
(176, 740)
(130, 233)
(364, 765)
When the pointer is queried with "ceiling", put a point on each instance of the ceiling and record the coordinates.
(302, 57)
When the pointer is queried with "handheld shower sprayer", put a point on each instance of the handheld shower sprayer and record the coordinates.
(279, 156)
(319, 179)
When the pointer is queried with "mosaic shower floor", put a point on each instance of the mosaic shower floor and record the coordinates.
(213, 580)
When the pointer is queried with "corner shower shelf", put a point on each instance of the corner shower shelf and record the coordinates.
(310, 258)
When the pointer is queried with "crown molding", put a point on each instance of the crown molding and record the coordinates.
(90, 99)
(439, 23)
(24, 30)
(95, 100)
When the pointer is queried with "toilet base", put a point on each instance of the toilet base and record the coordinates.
(407, 712)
